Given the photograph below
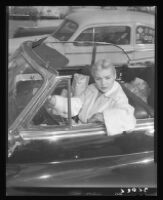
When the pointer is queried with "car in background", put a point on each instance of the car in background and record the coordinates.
(131, 30)
(46, 152)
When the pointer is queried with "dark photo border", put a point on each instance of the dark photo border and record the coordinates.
(4, 99)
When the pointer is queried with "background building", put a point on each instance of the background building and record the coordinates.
(62, 11)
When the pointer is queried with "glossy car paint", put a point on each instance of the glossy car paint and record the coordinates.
(84, 160)
(132, 170)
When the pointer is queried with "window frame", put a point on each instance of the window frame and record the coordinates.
(24, 114)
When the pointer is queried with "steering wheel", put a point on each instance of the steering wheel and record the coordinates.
(57, 119)
(43, 117)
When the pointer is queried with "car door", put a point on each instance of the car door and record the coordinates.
(118, 34)
(48, 161)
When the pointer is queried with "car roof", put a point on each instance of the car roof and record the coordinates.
(84, 18)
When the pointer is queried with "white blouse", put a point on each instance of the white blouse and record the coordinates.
(118, 113)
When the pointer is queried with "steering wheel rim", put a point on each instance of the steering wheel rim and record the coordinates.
(62, 119)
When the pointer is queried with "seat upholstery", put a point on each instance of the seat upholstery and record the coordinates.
(140, 112)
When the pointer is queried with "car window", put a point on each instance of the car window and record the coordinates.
(144, 35)
(65, 31)
(86, 35)
(45, 116)
(113, 34)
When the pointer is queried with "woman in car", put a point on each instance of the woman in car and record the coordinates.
(103, 101)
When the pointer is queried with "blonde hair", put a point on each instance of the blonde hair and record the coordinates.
(103, 64)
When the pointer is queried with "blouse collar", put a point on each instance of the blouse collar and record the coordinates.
(113, 89)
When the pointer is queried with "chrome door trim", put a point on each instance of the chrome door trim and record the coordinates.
(53, 133)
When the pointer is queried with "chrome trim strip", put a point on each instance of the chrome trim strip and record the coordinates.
(30, 104)
(143, 48)
(151, 153)
(78, 131)
(54, 136)
(69, 103)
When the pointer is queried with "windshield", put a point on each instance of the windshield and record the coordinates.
(23, 82)
(65, 31)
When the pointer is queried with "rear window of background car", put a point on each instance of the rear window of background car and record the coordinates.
(144, 35)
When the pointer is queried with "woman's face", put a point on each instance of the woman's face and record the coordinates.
(104, 79)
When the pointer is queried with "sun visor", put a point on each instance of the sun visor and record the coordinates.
(50, 56)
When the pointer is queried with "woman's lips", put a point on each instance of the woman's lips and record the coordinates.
(103, 88)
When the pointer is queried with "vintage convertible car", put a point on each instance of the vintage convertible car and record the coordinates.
(133, 31)
(49, 152)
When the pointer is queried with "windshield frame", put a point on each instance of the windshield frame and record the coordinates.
(45, 74)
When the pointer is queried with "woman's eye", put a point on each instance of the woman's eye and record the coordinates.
(107, 78)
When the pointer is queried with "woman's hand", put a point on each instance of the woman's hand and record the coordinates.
(51, 100)
(98, 117)
(50, 104)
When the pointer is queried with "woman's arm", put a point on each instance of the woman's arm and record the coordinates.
(59, 104)
(120, 117)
